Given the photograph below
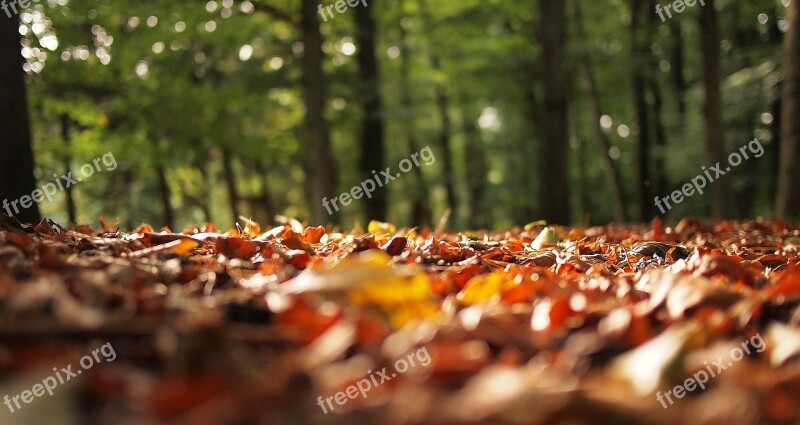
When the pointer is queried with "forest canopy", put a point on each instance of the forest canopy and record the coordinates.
(572, 112)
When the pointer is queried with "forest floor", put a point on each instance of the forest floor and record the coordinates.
(697, 323)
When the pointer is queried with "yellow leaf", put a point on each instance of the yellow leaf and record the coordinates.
(393, 290)
(378, 228)
(367, 279)
(535, 224)
(185, 246)
(482, 288)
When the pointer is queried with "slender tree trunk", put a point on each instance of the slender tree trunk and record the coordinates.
(372, 128)
(554, 150)
(660, 169)
(583, 195)
(205, 208)
(677, 61)
(16, 161)
(230, 182)
(420, 207)
(165, 193)
(639, 53)
(203, 199)
(712, 108)
(772, 152)
(265, 198)
(443, 105)
(786, 200)
(477, 171)
(612, 172)
(529, 178)
(207, 193)
(128, 178)
(65, 134)
(321, 176)
(446, 129)
(659, 132)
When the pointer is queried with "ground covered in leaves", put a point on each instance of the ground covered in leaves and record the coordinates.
(541, 325)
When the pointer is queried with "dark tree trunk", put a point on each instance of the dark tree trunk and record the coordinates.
(659, 132)
(164, 194)
(529, 177)
(583, 191)
(446, 129)
(554, 192)
(712, 107)
(372, 128)
(677, 64)
(420, 207)
(772, 151)
(265, 200)
(16, 162)
(321, 177)
(660, 181)
(206, 201)
(612, 172)
(230, 182)
(128, 177)
(639, 53)
(65, 134)
(202, 200)
(443, 105)
(477, 171)
(786, 199)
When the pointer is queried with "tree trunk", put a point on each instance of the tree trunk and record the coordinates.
(446, 129)
(230, 182)
(529, 176)
(772, 151)
(16, 162)
(202, 200)
(321, 177)
(206, 199)
(265, 198)
(420, 207)
(372, 128)
(583, 191)
(712, 107)
(677, 64)
(164, 194)
(554, 191)
(639, 53)
(443, 105)
(612, 172)
(786, 199)
(128, 179)
(660, 180)
(65, 134)
(477, 171)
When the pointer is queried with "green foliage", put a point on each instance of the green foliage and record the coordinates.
(208, 76)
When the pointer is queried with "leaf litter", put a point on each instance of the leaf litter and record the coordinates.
(541, 325)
